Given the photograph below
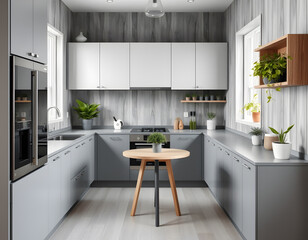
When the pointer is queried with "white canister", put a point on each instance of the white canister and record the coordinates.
(256, 140)
(211, 124)
(282, 150)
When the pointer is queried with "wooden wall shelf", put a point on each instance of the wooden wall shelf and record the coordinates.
(295, 46)
(22, 101)
(202, 101)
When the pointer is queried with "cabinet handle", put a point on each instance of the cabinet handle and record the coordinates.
(197, 86)
(55, 159)
(183, 139)
(208, 140)
(98, 87)
(83, 143)
(236, 159)
(67, 152)
(31, 54)
(90, 139)
(213, 144)
(77, 146)
(115, 139)
(36, 55)
(220, 148)
(246, 166)
(227, 153)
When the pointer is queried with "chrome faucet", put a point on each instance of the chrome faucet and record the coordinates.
(57, 110)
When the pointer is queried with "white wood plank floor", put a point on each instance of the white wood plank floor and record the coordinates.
(104, 213)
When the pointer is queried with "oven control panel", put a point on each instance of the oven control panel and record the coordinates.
(143, 137)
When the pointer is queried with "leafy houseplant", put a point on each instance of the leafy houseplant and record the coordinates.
(254, 107)
(281, 149)
(256, 135)
(194, 97)
(157, 139)
(187, 97)
(86, 112)
(211, 122)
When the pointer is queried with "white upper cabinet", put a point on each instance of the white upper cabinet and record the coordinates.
(150, 65)
(114, 66)
(211, 66)
(183, 66)
(83, 66)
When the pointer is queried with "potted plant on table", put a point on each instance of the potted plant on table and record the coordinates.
(211, 122)
(281, 149)
(256, 136)
(157, 139)
(86, 112)
(254, 107)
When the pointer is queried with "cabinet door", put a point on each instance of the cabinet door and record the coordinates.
(30, 206)
(249, 201)
(22, 28)
(83, 66)
(227, 181)
(211, 66)
(206, 163)
(40, 30)
(114, 65)
(187, 169)
(112, 166)
(183, 66)
(212, 166)
(150, 65)
(237, 193)
(91, 158)
(66, 181)
(219, 172)
(54, 193)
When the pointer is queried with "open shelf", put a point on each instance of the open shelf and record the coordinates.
(23, 101)
(203, 101)
(295, 46)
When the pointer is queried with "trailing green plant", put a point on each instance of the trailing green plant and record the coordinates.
(211, 115)
(86, 111)
(256, 131)
(157, 138)
(253, 106)
(282, 135)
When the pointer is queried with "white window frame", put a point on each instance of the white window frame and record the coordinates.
(59, 78)
(239, 75)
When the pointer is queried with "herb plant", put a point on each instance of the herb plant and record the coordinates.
(256, 131)
(282, 135)
(194, 95)
(253, 106)
(211, 115)
(86, 111)
(187, 95)
(157, 138)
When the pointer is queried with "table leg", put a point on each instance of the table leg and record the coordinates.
(138, 186)
(156, 193)
(173, 188)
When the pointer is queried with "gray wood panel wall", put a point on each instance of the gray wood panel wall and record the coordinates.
(279, 17)
(147, 107)
(60, 17)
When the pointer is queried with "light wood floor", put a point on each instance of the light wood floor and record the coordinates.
(104, 213)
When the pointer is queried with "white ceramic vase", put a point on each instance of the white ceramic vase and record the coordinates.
(282, 150)
(157, 147)
(211, 124)
(81, 38)
(256, 140)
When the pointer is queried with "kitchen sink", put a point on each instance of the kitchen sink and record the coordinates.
(64, 137)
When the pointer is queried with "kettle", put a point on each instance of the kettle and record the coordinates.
(117, 123)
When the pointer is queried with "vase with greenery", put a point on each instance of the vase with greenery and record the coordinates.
(187, 97)
(157, 139)
(211, 122)
(194, 97)
(281, 148)
(254, 107)
(256, 135)
(86, 112)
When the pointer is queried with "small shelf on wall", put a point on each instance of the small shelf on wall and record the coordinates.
(23, 101)
(295, 46)
(203, 101)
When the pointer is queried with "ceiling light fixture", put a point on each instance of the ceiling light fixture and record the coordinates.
(190, 1)
(109, 1)
(154, 9)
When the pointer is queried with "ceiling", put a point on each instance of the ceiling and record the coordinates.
(140, 5)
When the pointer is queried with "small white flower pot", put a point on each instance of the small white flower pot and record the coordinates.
(256, 140)
(282, 150)
(211, 124)
(157, 147)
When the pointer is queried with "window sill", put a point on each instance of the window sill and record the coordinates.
(55, 121)
(248, 123)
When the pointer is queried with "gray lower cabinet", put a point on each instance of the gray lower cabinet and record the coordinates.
(187, 169)
(210, 163)
(111, 165)
(90, 151)
(66, 181)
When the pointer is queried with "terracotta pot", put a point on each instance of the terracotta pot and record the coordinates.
(256, 116)
(268, 139)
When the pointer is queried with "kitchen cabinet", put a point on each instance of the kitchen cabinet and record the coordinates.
(114, 66)
(150, 65)
(187, 169)
(219, 172)
(90, 151)
(111, 165)
(66, 181)
(83, 66)
(183, 66)
(79, 184)
(210, 164)
(211, 66)
(227, 181)
(29, 29)
(30, 206)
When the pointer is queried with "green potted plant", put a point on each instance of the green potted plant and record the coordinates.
(254, 107)
(194, 97)
(206, 97)
(157, 139)
(187, 97)
(86, 112)
(281, 148)
(256, 135)
(211, 122)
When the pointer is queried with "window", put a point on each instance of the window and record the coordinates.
(247, 40)
(55, 74)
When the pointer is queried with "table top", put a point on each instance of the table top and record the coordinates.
(148, 154)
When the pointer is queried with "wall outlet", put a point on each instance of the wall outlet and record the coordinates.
(185, 114)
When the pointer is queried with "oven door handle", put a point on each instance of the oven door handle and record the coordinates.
(35, 117)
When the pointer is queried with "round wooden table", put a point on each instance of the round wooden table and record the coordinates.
(147, 155)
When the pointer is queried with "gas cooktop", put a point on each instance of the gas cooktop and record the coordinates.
(149, 130)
